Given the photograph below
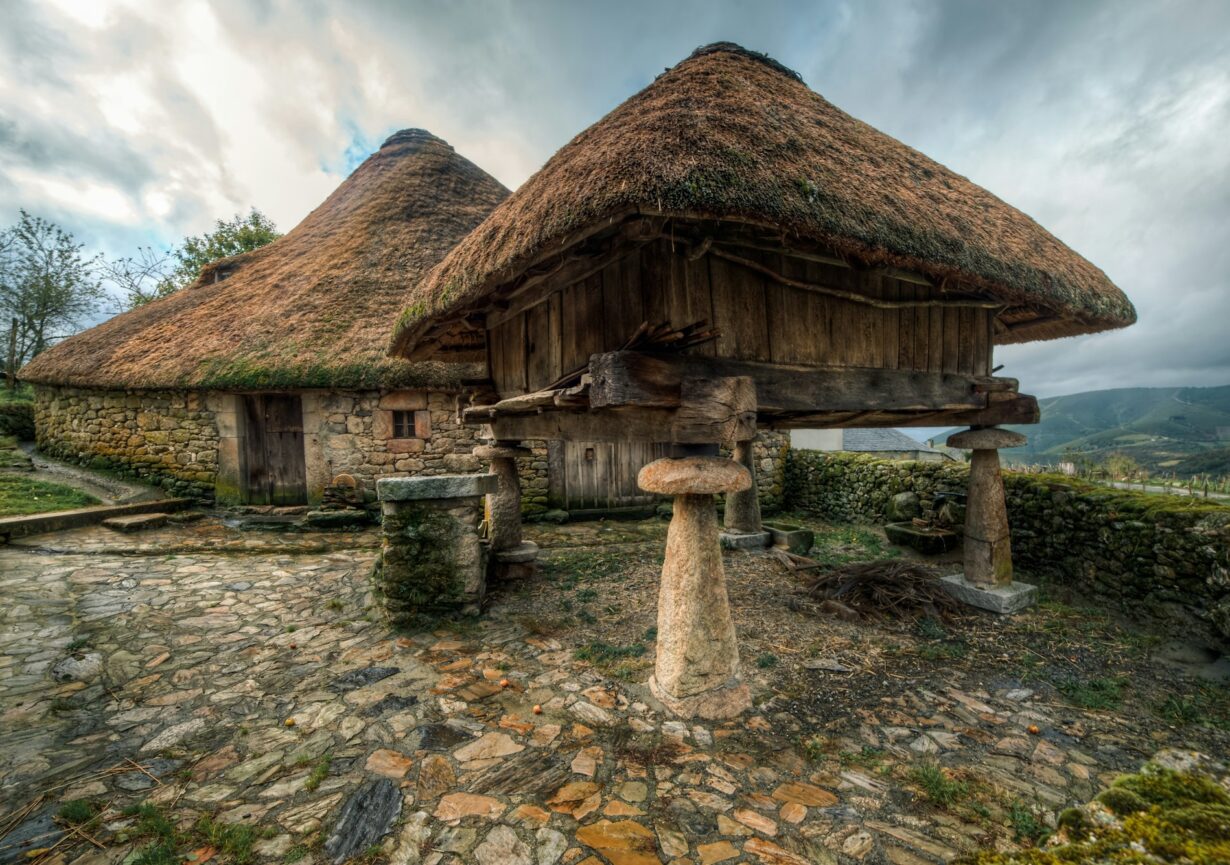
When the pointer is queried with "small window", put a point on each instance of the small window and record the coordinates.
(403, 424)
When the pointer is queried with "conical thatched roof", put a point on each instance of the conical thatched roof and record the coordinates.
(312, 308)
(731, 134)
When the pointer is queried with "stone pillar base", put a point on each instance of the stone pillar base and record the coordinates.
(727, 701)
(432, 558)
(518, 563)
(998, 599)
(744, 540)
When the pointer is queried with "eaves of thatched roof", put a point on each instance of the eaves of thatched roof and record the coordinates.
(311, 309)
(729, 134)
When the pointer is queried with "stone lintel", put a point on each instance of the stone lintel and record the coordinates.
(694, 476)
(434, 487)
(501, 452)
(526, 551)
(987, 438)
(998, 599)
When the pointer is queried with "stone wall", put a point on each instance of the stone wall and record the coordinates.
(771, 449)
(168, 438)
(351, 433)
(1159, 555)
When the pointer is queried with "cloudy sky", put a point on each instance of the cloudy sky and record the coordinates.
(134, 123)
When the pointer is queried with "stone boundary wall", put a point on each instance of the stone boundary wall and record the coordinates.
(1158, 555)
(168, 438)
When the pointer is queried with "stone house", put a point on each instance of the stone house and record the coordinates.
(268, 377)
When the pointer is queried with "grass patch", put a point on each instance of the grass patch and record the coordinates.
(766, 661)
(1204, 706)
(599, 653)
(1026, 827)
(77, 812)
(937, 787)
(21, 495)
(166, 844)
(1100, 693)
(319, 772)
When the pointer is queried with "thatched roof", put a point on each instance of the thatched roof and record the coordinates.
(733, 135)
(312, 308)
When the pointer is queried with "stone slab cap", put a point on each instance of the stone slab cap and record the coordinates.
(677, 476)
(1004, 600)
(496, 452)
(435, 487)
(526, 551)
(988, 438)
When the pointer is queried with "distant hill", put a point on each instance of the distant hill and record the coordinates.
(1178, 429)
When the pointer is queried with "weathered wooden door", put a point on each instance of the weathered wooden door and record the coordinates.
(275, 471)
(600, 476)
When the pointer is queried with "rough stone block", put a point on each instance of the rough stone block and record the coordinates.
(796, 539)
(997, 599)
(437, 487)
(744, 540)
(404, 400)
(135, 522)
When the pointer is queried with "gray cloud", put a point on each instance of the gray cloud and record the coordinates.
(1105, 121)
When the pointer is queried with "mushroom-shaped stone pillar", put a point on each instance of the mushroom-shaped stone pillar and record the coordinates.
(511, 555)
(741, 524)
(697, 669)
(988, 548)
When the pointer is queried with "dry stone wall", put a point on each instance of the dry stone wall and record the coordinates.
(1158, 555)
(168, 438)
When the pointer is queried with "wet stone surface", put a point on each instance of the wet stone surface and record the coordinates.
(250, 678)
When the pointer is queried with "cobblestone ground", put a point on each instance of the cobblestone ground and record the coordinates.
(247, 677)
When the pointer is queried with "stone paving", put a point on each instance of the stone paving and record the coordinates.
(250, 677)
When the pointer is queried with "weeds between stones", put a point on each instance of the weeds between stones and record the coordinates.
(938, 788)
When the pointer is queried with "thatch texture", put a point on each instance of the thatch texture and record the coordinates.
(730, 134)
(312, 308)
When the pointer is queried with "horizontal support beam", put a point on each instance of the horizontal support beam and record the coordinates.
(1002, 409)
(616, 425)
(623, 378)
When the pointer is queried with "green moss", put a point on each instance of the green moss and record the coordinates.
(1165, 816)
(419, 570)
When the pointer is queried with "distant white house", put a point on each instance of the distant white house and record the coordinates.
(888, 444)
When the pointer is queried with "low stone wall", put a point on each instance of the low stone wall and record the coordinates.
(1158, 555)
(169, 438)
(771, 450)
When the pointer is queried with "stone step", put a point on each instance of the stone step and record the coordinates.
(135, 522)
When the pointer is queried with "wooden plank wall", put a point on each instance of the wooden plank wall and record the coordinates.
(760, 319)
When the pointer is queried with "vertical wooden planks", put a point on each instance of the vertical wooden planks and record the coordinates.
(622, 307)
(508, 352)
(739, 311)
(539, 367)
(982, 343)
(580, 322)
(905, 327)
(965, 343)
(922, 331)
(656, 280)
(952, 339)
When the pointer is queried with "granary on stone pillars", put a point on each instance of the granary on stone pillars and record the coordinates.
(727, 250)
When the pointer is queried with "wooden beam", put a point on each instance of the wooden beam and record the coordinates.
(1003, 408)
(617, 425)
(654, 380)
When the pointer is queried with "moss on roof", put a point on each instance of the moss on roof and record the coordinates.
(731, 134)
(311, 309)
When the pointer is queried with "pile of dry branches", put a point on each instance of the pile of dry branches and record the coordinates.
(889, 588)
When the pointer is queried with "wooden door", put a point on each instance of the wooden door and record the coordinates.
(600, 476)
(274, 467)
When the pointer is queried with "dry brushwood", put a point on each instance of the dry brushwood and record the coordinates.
(888, 588)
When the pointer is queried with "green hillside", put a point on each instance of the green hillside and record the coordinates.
(1167, 428)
